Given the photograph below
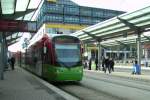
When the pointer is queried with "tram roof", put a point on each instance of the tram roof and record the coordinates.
(18, 10)
(39, 36)
(114, 28)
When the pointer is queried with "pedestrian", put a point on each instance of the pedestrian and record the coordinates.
(107, 65)
(12, 60)
(9, 62)
(111, 62)
(136, 68)
(90, 63)
(103, 64)
(85, 64)
(96, 63)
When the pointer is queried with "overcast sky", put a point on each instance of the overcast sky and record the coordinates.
(123, 5)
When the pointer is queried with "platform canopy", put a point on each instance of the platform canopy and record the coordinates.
(23, 10)
(125, 41)
(121, 26)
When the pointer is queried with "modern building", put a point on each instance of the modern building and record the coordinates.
(65, 16)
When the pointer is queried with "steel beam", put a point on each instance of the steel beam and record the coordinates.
(17, 14)
(12, 39)
(130, 25)
(93, 36)
(120, 42)
(148, 38)
(104, 46)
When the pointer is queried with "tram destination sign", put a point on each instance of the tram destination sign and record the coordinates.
(18, 26)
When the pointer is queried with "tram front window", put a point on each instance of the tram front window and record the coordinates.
(68, 55)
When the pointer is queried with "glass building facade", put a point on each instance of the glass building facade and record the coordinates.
(67, 12)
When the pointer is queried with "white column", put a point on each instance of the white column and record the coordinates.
(139, 49)
(146, 57)
(125, 57)
(99, 55)
(104, 52)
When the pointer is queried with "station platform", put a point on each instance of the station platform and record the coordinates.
(142, 77)
(19, 84)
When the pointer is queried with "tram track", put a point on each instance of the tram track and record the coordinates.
(85, 90)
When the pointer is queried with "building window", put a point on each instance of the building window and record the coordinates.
(54, 8)
(53, 18)
(85, 11)
(71, 19)
(85, 20)
(98, 13)
(74, 10)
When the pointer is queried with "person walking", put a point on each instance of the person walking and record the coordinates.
(96, 63)
(12, 60)
(90, 63)
(107, 65)
(103, 64)
(85, 64)
(111, 62)
(136, 68)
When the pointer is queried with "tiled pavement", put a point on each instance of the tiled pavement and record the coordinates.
(20, 85)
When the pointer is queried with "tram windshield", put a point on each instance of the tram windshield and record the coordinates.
(68, 55)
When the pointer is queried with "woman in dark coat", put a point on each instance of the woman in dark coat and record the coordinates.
(111, 63)
(107, 65)
(103, 64)
(90, 62)
(96, 63)
(12, 60)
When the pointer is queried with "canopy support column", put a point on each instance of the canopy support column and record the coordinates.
(125, 57)
(99, 55)
(5, 50)
(139, 49)
(1, 57)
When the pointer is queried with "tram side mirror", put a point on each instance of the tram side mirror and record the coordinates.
(45, 49)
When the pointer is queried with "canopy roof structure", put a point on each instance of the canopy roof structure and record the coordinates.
(12, 38)
(124, 41)
(18, 10)
(122, 25)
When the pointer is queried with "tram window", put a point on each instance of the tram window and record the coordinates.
(45, 50)
(47, 54)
